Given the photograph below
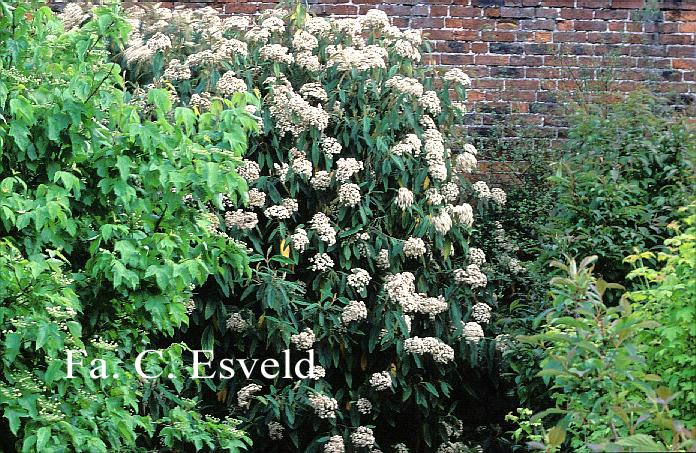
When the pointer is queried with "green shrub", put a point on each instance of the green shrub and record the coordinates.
(598, 367)
(667, 294)
(100, 248)
(626, 171)
(353, 190)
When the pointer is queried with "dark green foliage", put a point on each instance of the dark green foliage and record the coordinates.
(625, 171)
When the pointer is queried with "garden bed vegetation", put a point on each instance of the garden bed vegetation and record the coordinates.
(262, 187)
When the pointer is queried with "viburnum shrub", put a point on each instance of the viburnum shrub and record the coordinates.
(359, 213)
(107, 228)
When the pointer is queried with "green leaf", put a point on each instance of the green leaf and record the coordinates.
(43, 435)
(556, 436)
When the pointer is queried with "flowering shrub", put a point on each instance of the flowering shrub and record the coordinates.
(101, 249)
(359, 215)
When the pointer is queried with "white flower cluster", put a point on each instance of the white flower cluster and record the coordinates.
(317, 372)
(381, 381)
(450, 192)
(364, 406)
(382, 259)
(245, 395)
(442, 222)
(481, 312)
(374, 19)
(275, 431)
(335, 445)
(321, 224)
(404, 198)
(452, 447)
(314, 90)
(330, 146)
(431, 306)
(303, 340)
(465, 163)
(514, 266)
(472, 331)
(359, 279)
(472, 276)
(321, 180)
(400, 448)
(241, 219)
(72, 16)
(414, 247)
(294, 114)
(159, 41)
(433, 196)
(405, 49)
(349, 58)
(299, 240)
(321, 262)
(228, 84)
(453, 427)
(457, 76)
(354, 311)
(409, 145)
(177, 70)
(462, 214)
(249, 170)
(401, 288)
(349, 195)
(363, 437)
(324, 406)
(347, 167)
(282, 211)
(303, 40)
(405, 85)
(435, 154)
(499, 196)
(440, 352)
(431, 102)
(481, 189)
(236, 323)
(476, 256)
(300, 165)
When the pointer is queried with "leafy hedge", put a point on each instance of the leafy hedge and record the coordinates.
(101, 246)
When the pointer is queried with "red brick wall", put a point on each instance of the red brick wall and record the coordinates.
(530, 56)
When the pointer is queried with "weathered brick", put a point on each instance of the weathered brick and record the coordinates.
(611, 14)
(584, 14)
(492, 59)
(689, 64)
(630, 4)
(507, 72)
(569, 36)
(484, 3)
(681, 51)
(464, 11)
(527, 60)
(516, 12)
(498, 36)
(594, 3)
(536, 24)
(590, 25)
(505, 48)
